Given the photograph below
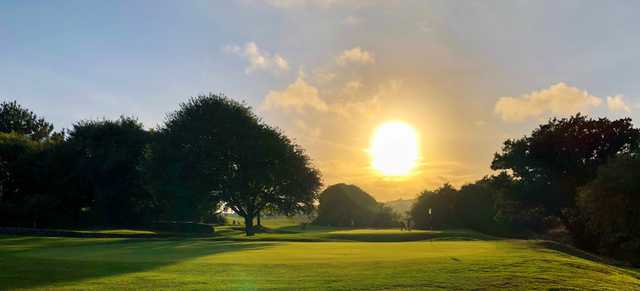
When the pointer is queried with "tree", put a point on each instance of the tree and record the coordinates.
(610, 205)
(105, 157)
(214, 151)
(562, 155)
(15, 118)
(442, 203)
(477, 203)
(23, 180)
(348, 205)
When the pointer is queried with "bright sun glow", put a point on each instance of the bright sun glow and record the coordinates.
(394, 149)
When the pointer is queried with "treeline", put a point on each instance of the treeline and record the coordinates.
(210, 154)
(576, 175)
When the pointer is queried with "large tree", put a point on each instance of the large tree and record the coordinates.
(214, 151)
(561, 155)
(105, 157)
(15, 118)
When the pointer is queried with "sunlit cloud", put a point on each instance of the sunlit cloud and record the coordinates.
(258, 59)
(355, 55)
(617, 104)
(298, 96)
(559, 99)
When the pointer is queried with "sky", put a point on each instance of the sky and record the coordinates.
(467, 75)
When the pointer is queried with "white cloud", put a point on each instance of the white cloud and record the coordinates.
(559, 99)
(258, 59)
(297, 96)
(617, 104)
(355, 55)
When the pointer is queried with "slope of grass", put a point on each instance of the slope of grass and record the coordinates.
(289, 258)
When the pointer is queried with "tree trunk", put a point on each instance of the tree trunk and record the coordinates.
(248, 225)
(258, 223)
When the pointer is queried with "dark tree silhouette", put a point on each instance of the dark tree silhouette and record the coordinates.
(562, 155)
(214, 150)
(442, 203)
(105, 157)
(15, 118)
(22, 179)
(610, 205)
(348, 205)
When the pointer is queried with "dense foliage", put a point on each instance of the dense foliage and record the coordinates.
(15, 118)
(211, 153)
(348, 205)
(610, 206)
(216, 151)
(575, 174)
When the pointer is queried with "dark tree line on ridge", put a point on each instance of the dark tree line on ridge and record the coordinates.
(210, 154)
(574, 175)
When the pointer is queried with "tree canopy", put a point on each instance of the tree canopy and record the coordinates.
(214, 150)
(105, 157)
(15, 118)
(563, 154)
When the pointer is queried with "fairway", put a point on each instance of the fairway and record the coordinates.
(317, 258)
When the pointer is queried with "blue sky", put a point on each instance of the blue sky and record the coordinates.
(465, 74)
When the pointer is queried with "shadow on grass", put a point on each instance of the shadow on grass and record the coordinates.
(28, 262)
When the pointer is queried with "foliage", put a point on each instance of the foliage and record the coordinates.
(348, 205)
(23, 191)
(15, 118)
(214, 150)
(561, 155)
(442, 205)
(104, 173)
(610, 204)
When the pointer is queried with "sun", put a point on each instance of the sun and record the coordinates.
(394, 149)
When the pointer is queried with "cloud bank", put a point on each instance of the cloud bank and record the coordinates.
(559, 99)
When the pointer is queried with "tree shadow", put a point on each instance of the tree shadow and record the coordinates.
(30, 262)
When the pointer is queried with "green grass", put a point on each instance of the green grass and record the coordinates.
(288, 258)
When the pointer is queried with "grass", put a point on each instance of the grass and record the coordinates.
(289, 258)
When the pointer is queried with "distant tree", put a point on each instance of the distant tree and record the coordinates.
(105, 158)
(214, 151)
(348, 205)
(477, 205)
(442, 203)
(15, 118)
(610, 205)
(562, 155)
